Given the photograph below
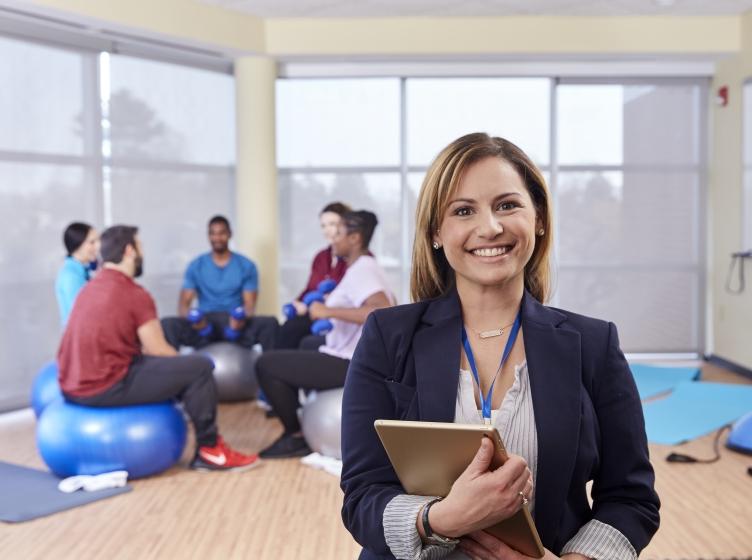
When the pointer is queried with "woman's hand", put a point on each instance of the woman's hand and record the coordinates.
(480, 498)
(318, 310)
(484, 546)
(300, 307)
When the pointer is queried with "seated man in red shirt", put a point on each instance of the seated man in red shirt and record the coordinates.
(114, 353)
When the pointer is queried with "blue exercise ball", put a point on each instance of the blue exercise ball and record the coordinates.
(740, 438)
(142, 439)
(45, 389)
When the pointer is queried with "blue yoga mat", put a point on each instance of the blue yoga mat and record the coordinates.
(30, 493)
(695, 409)
(654, 380)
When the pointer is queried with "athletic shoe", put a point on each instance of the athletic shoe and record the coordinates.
(286, 446)
(222, 457)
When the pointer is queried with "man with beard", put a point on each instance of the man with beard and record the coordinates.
(225, 285)
(114, 353)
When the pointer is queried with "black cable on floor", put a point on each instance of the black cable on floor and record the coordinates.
(682, 458)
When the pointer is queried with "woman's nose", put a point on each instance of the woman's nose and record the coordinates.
(490, 225)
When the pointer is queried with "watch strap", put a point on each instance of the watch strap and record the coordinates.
(432, 537)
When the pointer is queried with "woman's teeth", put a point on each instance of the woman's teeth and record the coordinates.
(491, 252)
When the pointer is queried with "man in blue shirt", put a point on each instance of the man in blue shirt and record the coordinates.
(225, 284)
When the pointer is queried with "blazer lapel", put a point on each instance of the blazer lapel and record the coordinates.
(553, 357)
(437, 359)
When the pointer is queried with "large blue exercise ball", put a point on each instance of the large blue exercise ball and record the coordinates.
(740, 438)
(142, 439)
(45, 389)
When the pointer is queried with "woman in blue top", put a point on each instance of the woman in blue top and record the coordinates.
(82, 244)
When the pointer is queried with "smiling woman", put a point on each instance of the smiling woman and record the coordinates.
(555, 385)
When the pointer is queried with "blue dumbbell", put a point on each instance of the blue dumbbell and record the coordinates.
(310, 297)
(198, 321)
(321, 327)
(289, 311)
(326, 285)
(239, 315)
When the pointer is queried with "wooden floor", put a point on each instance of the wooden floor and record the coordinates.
(286, 510)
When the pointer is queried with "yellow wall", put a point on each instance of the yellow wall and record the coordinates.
(497, 35)
(732, 314)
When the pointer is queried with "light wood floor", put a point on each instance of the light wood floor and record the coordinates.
(286, 510)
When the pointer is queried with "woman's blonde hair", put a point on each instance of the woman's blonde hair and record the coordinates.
(431, 274)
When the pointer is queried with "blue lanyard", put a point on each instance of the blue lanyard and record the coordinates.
(485, 402)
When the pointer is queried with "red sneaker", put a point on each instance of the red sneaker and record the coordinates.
(222, 457)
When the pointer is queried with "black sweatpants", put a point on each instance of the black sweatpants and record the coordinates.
(292, 331)
(151, 379)
(258, 330)
(282, 372)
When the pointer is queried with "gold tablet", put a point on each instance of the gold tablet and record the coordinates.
(429, 456)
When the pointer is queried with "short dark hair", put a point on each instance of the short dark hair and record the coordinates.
(337, 207)
(362, 222)
(74, 236)
(114, 240)
(219, 219)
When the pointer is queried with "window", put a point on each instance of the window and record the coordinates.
(116, 140)
(338, 140)
(170, 133)
(48, 176)
(628, 197)
(623, 159)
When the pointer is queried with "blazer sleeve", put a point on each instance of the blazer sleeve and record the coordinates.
(368, 479)
(623, 492)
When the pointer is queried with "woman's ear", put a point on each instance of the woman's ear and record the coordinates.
(436, 241)
(539, 229)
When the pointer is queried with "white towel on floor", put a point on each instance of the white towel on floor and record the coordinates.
(319, 461)
(91, 483)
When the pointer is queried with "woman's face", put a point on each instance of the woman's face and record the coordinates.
(89, 249)
(330, 222)
(488, 229)
(342, 242)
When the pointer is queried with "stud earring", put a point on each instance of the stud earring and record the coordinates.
(541, 231)
(436, 245)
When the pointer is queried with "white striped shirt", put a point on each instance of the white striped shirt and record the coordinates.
(515, 421)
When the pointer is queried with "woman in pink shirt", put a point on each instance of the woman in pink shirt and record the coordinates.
(363, 288)
(326, 266)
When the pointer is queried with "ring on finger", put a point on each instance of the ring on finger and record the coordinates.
(524, 498)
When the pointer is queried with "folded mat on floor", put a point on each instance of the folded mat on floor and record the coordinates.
(694, 409)
(30, 493)
(654, 380)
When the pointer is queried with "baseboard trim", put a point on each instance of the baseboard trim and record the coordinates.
(731, 366)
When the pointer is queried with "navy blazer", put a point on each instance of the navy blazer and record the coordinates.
(587, 413)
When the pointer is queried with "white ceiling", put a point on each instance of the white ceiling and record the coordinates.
(469, 8)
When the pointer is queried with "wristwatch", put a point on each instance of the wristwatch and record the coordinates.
(431, 537)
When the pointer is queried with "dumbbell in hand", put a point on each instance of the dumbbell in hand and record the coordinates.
(326, 285)
(321, 327)
(289, 310)
(199, 323)
(237, 322)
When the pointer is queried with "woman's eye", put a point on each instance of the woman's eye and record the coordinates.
(507, 206)
(462, 211)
